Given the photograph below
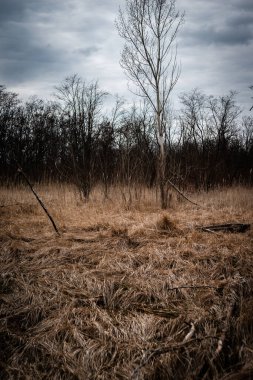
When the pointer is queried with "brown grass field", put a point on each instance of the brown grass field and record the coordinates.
(125, 291)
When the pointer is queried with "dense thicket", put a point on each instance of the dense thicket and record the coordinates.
(75, 140)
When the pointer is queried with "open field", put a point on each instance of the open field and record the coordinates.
(125, 291)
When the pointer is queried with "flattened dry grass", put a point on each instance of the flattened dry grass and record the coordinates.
(124, 292)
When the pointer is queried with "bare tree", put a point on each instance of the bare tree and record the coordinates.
(82, 104)
(247, 133)
(224, 115)
(149, 28)
(194, 116)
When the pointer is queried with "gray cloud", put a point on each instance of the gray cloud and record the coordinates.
(217, 23)
(88, 51)
(225, 35)
(215, 47)
(241, 19)
(18, 10)
(12, 10)
(245, 5)
(39, 38)
(41, 42)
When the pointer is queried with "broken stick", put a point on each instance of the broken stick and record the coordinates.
(20, 170)
(180, 192)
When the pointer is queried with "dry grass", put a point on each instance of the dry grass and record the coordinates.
(125, 291)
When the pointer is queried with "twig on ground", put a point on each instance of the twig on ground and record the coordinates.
(10, 205)
(208, 230)
(208, 364)
(190, 333)
(149, 354)
(194, 287)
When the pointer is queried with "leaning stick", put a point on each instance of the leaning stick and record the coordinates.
(20, 170)
(180, 192)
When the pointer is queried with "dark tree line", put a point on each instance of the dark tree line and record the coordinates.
(73, 139)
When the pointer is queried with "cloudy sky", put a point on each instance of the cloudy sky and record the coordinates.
(43, 41)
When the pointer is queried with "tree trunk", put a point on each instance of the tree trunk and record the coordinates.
(162, 158)
(161, 178)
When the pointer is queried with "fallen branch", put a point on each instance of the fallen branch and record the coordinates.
(208, 364)
(228, 227)
(38, 199)
(180, 192)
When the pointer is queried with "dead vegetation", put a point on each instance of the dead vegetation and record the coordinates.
(125, 293)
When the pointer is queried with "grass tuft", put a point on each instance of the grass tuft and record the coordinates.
(165, 224)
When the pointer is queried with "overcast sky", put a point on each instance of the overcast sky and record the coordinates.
(43, 41)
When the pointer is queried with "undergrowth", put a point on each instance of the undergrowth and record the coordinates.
(124, 293)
